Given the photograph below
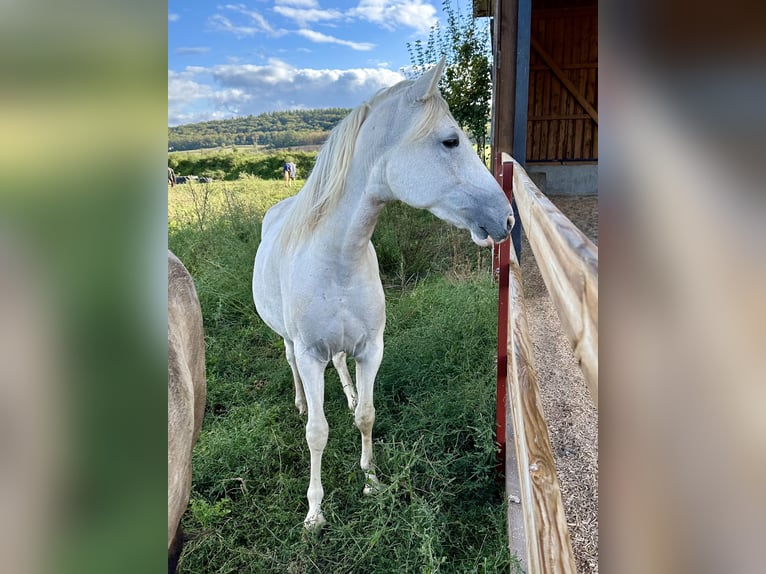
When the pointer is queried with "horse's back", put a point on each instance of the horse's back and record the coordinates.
(186, 386)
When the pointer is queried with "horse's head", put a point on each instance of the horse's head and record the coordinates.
(432, 164)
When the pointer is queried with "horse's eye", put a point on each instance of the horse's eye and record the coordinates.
(451, 142)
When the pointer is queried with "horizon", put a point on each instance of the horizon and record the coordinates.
(237, 60)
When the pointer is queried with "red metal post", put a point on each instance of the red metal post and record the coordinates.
(501, 268)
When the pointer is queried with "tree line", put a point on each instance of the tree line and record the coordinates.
(272, 130)
(230, 165)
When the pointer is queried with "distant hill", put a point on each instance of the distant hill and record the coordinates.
(273, 130)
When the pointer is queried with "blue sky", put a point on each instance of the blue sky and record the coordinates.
(236, 59)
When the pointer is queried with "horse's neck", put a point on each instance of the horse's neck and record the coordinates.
(352, 222)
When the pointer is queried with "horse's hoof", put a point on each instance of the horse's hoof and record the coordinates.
(372, 484)
(301, 409)
(371, 489)
(314, 523)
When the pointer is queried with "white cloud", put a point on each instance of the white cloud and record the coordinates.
(379, 63)
(254, 16)
(304, 15)
(184, 95)
(325, 39)
(185, 51)
(182, 88)
(417, 14)
(303, 3)
(256, 23)
(199, 93)
(223, 24)
(173, 17)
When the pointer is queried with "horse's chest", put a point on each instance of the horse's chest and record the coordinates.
(338, 317)
(344, 306)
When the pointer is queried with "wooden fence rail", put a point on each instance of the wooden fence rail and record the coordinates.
(568, 261)
(548, 547)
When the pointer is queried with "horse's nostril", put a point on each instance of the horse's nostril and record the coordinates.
(509, 224)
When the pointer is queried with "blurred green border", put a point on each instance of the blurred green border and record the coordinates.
(83, 106)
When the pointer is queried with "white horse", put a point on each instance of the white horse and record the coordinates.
(316, 280)
(186, 395)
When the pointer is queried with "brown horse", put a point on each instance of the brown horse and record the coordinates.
(186, 395)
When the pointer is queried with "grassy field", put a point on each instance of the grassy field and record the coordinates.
(440, 508)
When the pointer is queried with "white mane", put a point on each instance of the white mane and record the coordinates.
(326, 184)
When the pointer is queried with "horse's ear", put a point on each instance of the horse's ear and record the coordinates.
(428, 84)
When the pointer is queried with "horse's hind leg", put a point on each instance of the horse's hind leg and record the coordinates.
(366, 369)
(339, 361)
(174, 551)
(300, 396)
(312, 374)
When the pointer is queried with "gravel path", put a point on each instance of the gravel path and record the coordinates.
(572, 418)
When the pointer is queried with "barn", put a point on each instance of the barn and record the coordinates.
(545, 111)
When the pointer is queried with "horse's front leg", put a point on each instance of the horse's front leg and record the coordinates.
(312, 374)
(300, 397)
(367, 366)
(339, 361)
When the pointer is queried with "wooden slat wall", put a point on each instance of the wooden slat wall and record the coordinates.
(559, 128)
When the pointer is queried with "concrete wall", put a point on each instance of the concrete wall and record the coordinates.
(565, 179)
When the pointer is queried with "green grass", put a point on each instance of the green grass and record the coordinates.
(440, 508)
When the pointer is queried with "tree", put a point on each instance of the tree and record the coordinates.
(467, 81)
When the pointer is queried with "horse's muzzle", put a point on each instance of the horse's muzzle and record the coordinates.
(499, 238)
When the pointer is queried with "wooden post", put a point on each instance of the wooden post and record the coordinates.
(504, 78)
(521, 85)
(510, 94)
(501, 257)
(503, 115)
(504, 433)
